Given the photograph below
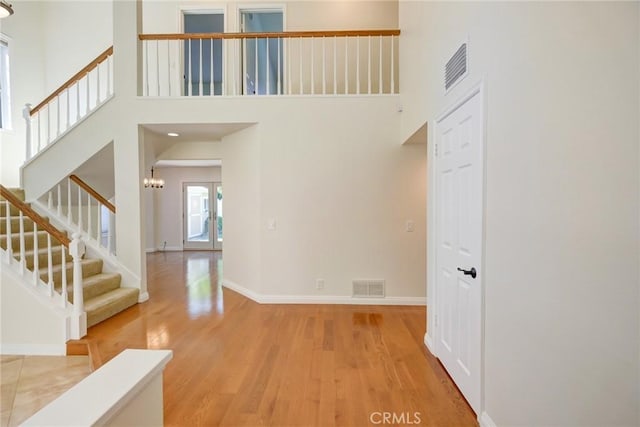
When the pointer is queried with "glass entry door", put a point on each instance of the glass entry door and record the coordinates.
(202, 216)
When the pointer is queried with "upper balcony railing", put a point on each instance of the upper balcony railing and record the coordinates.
(362, 62)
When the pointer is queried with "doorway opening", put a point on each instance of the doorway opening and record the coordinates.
(203, 58)
(262, 59)
(202, 216)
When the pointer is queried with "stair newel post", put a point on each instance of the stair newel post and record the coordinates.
(8, 230)
(26, 113)
(77, 250)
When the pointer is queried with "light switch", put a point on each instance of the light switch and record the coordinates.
(409, 226)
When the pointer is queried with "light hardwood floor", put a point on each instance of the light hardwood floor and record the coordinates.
(239, 363)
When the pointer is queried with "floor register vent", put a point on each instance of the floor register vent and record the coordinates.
(368, 288)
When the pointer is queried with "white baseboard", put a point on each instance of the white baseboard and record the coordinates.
(34, 349)
(169, 249)
(320, 299)
(144, 296)
(485, 420)
(428, 341)
(151, 250)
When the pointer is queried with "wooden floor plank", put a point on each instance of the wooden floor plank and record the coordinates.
(240, 363)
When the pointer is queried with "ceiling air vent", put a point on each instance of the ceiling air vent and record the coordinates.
(456, 67)
(368, 288)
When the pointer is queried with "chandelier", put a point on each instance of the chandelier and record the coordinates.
(153, 182)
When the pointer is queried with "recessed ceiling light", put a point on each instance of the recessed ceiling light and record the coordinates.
(173, 134)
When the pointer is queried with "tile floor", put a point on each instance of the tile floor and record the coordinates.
(30, 382)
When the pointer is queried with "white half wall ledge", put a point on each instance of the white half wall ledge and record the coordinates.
(485, 420)
(109, 391)
(321, 299)
(34, 349)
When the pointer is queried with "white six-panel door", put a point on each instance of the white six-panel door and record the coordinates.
(459, 206)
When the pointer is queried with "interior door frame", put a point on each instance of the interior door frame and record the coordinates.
(432, 334)
(257, 8)
(209, 245)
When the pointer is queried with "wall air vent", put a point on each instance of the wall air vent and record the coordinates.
(456, 68)
(368, 288)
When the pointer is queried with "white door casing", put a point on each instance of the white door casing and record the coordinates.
(459, 167)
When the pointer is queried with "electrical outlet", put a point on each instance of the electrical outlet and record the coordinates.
(319, 283)
(409, 226)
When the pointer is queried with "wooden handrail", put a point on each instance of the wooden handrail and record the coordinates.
(86, 187)
(35, 217)
(93, 64)
(281, 35)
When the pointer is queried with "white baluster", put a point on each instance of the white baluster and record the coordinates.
(109, 75)
(77, 101)
(36, 258)
(63, 266)
(79, 208)
(39, 145)
(244, 66)
(393, 60)
(335, 65)
(99, 225)
(69, 213)
(289, 75)
(313, 54)
(169, 66)
(279, 76)
(98, 97)
(26, 114)
(346, 65)
(23, 258)
(59, 201)
(68, 109)
(77, 249)
(324, 64)
(200, 85)
(380, 65)
(88, 94)
(146, 66)
(268, 66)
(109, 234)
(358, 65)
(48, 124)
(257, 82)
(89, 215)
(300, 63)
(57, 115)
(369, 65)
(189, 76)
(8, 229)
(235, 63)
(211, 85)
(50, 201)
(49, 265)
(158, 64)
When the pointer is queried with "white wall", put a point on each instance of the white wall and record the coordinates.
(27, 325)
(26, 82)
(168, 202)
(561, 256)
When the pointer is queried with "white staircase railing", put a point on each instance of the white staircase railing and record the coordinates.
(82, 208)
(28, 265)
(360, 62)
(69, 104)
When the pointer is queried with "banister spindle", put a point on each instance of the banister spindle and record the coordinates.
(69, 213)
(268, 66)
(98, 97)
(8, 230)
(59, 207)
(63, 281)
(235, 63)
(300, 62)
(108, 75)
(256, 83)
(369, 66)
(169, 67)
(324, 65)
(78, 101)
(190, 90)
(57, 115)
(346, 65)
(244, 66)
(158, 65)
(313, 55)
(358, 65)
(79, 208)
(23, 257)
(88, 95)
(99, 225)
(289, 75)
(393, 60)
(146, 66)
(36, 257)
(335, 65)
(211, 86)
(380, 65)
(200, 86)
(279, 82)
(109, 234)
(89, 214)
(49, 266)
(26, 114)
(39, 144)
(48, 124)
